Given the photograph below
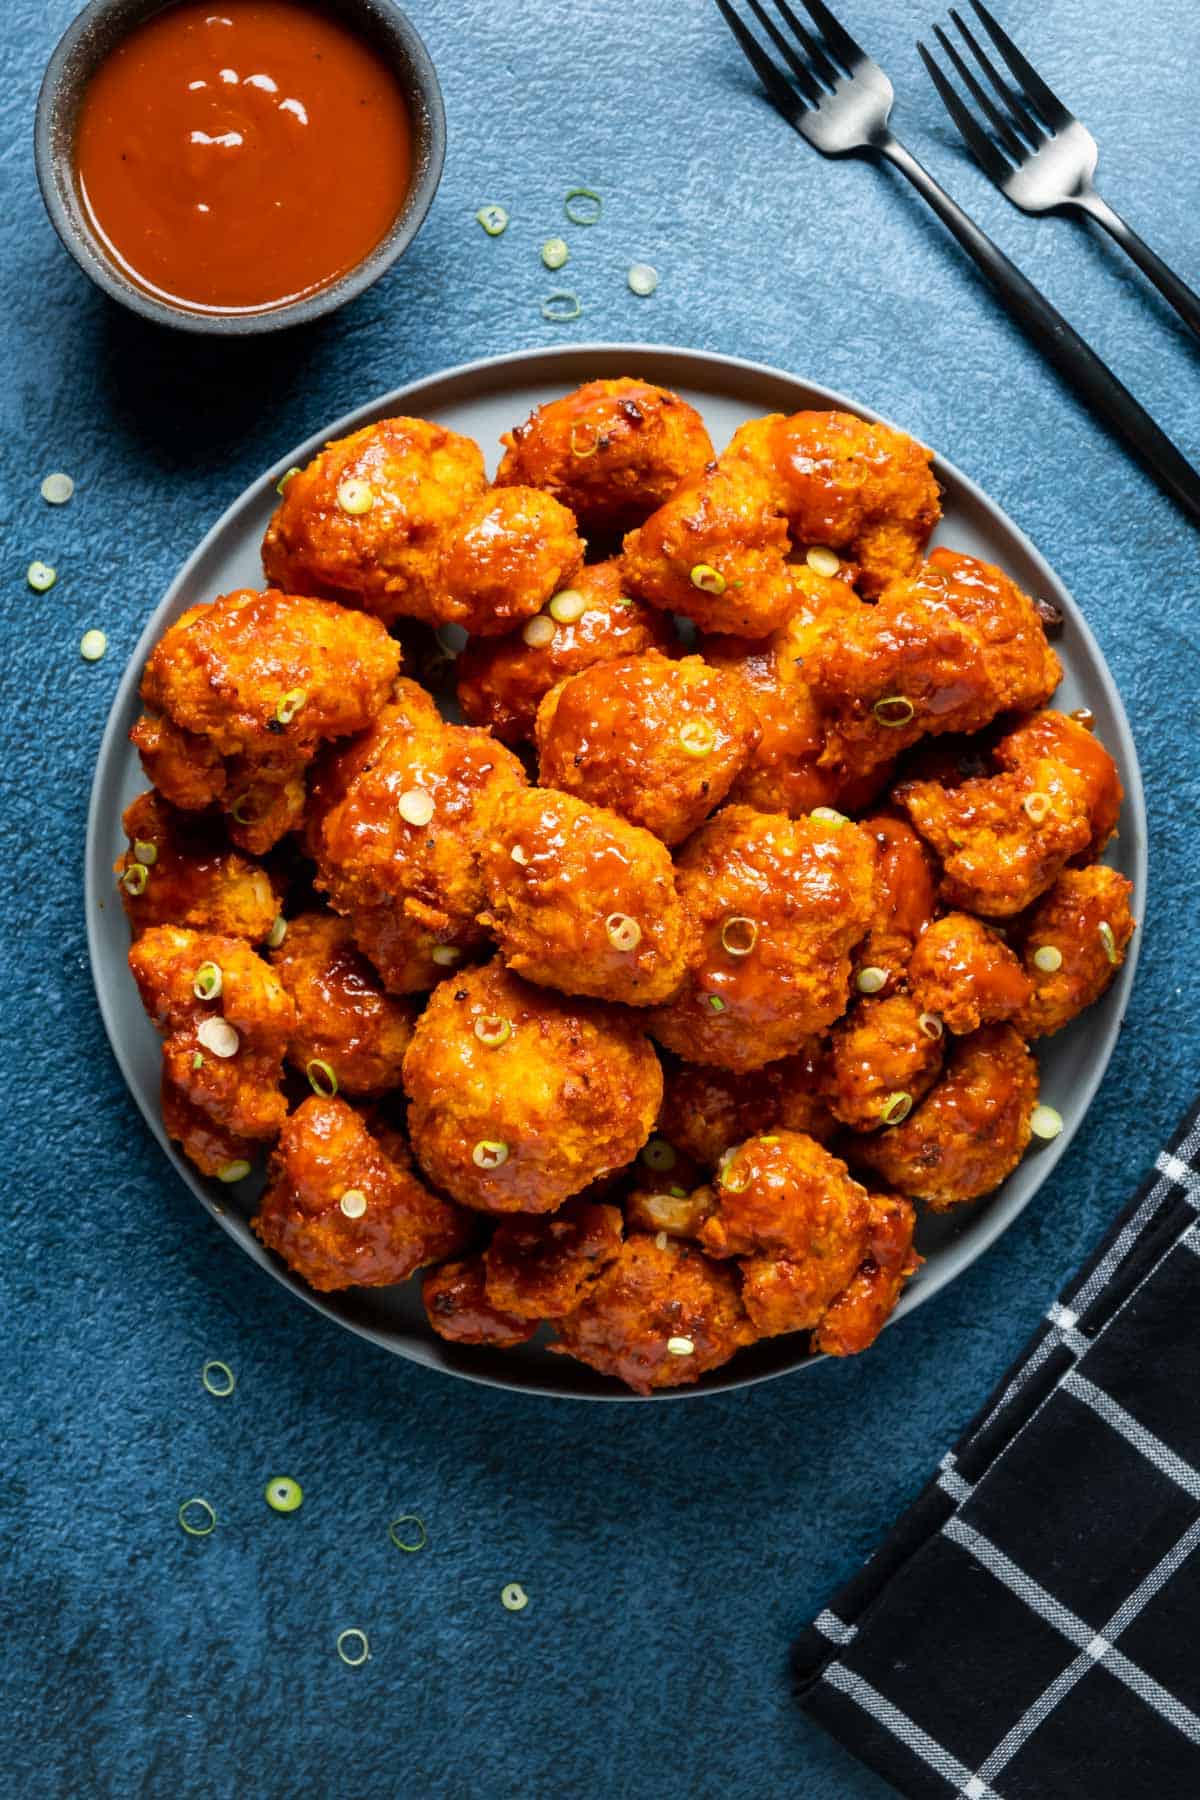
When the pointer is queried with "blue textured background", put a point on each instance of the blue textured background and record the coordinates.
(670, 1553)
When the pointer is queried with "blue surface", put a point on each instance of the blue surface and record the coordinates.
(669, 1553)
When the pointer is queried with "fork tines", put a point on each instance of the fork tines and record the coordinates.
(814, 64)
(1022, 121)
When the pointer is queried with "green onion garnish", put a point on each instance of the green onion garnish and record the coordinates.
(321, 1078)
(739, 935)
(281, 484)
(493, 1032)
(697, 737)
(538, 632)
(494, 220)
(1036, 806)
(219, 1379)
(218, 1035)
(716, 1004)
(490, 1153)
(208, 982)
(659, 1155)
(1048, 958)
(353, 1648)
(589, 212)
(931, 1025)
(622, 932)
(445, 955)
(355, 497)
(561, 307)
(282, 1494)
(567, 606)
(827, 815)
(871, 979)
(197, 1526)
(734, 1178)
(57, 489)
(822, 560)
(41, 577)
(415, 806)
(353, 1203)
(642, 279)
(145, 851)
(896, 1108)
(277, 932)
(894, 710)
(233, 1171)
(401, 1539)
(707, 579)
(92, 646)
(554, 253)
(1108, 940)
(513, 1597)
(197, 1061)
(1045, 1122)
(135, 878)
(240, 809)
(290, 705)
(680, 1346)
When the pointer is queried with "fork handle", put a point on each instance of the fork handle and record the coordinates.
(1059, 342)
(1183, 298)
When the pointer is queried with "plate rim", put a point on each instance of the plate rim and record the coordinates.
(538, 364)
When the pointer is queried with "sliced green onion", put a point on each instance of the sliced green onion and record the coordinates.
(355, 497)
(697, 737)
(589, 212)
(716, 1004)
(680, 1346)
(290, 705)
(233, 1171)
(145, 851)
(707, 579)
(896, 1108)
(739, 935)
(493, 1031)
(321, 1078)
(568, 606)
(218, 1035)
(402, 1541)
(894, 710)
(1108, 940)
(822, 560)
(197, 1527)
(931, 1025)
(41, 577)
(282, 1494)
(828, 815)
(871, 979)
(219, 1380)
(520, 856)
(579, 448)
(538, 632)
(415, 806)
(490, 1153)
(677, 1193)
(277, 932)
(554, 253)
(240, 810)
(1048, 958)
(92, 646)
(513, 1597)
(57, 489)
(281, 484)
(734, 1178)
(642, 279)
(197, 1061)
(353, 1648)
(494, 220)
(659, 1155)
(445, 955)
(135, 878)
(1045, 1122)
(561, 307)
(353, 1203)
(1037, 806)
(623, 933)
(208, 982)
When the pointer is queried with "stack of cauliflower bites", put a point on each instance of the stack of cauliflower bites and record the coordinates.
(651, 1001)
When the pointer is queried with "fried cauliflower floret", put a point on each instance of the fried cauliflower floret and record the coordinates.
(541, 1268)
(582, 901)
(963, 972)
(660, 1315)
(905, 899)
(364, 522)
(502, 681)
(1075, 940)
(969, 1132)
(179, 870)
(612, 451)
(509, 552)
(262, 679)
(864, 490)
(946, 650)
(715, 552)
(706, 1111)
(784, 772)
(1004, 839)
(883, 1057)
(222, 1056)
(854, 1320)
(343, 1018)
(341, 1213)
(520, 1098)
(396, 823)
(774, 908)
(657, 741)
(670, 1209)
(184, 768)
(800, 1225)
(459, 1310)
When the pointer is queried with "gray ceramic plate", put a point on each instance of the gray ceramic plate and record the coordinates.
(483, 399)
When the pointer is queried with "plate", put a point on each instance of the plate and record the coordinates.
(483, 399)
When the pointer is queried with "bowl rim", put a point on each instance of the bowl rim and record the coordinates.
(395, 36)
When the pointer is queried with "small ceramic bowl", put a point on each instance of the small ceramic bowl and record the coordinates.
(88, 40)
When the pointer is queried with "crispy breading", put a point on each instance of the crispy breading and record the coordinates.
(1085, 918)
(343, 1017)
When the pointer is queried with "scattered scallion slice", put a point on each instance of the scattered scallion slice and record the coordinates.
(353, 1648)
(197, 1061)
(197, 1517)
(1048, 958)
(355, 497)
(1045, 1122)
(896, 1108)
(445, 955)
(1036, 806)
(931, 1025)
(680, 1346)
(145, 851)
(894, 710)
(697, 737)
(587, 213)
(242, 809)
(233, 1171)
(57, 489)
(734, 1176)
(871, 979)
(822, 560)
(277, 932)
(538, 632)
(353, 1203)
(282, 1494)
(513, 1597)
(135, 878)
(561, 307)
(92, 645)
(401, 1538)
(827, 815)
(41, 577)
(494, 220)
(219, 1380)
(493, 1031)
(658, 1154)
(1108, 940)
(218, 1035)
(490, 1153)
(715, 1003)
(642, 279)
(739, 935)
(290, 705)
(582, 447)
(281, 484)
(208, 981)
(554, 253)
(321, 1078)
(520, 856)
(415, 806)
(568, 606)
(623, 933)
(707, 579)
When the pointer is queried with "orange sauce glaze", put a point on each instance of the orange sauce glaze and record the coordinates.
(236, 154)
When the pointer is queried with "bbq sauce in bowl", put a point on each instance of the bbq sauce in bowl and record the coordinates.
(235, 156)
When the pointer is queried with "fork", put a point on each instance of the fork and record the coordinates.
(837, 98)
(1038, 153)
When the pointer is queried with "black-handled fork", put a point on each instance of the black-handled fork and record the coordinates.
(1038, 153)
(838, 99)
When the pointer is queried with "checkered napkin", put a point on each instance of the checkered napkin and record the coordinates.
(1030, 1630)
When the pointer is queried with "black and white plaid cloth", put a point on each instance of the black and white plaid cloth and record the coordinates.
(1030, 1629)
